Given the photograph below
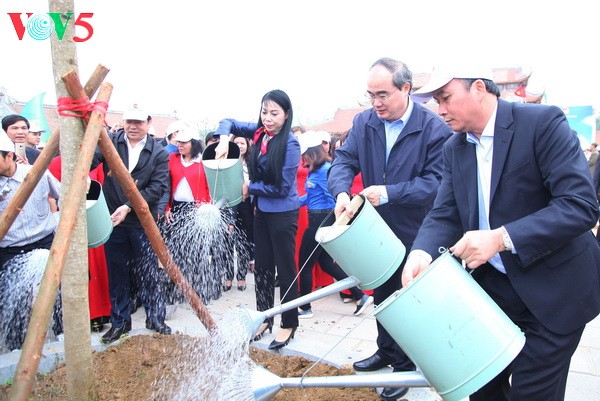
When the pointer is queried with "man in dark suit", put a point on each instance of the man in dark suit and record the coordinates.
(128, 253)
(517, 204)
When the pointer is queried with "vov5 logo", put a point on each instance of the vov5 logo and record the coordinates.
(40, 26)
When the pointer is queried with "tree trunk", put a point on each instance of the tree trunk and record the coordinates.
(76, 314)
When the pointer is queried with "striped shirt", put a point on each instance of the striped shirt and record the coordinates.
(35, 221)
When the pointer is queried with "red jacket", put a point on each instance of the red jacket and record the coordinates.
(194, 175)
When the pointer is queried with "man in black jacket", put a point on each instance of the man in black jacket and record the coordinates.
(128, 254)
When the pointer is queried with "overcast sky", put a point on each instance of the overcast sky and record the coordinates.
(214, 59)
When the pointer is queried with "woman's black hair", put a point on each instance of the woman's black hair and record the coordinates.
(196, 148)
(316, 156)
(277, 145)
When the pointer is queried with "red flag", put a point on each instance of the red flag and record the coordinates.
(521, 91)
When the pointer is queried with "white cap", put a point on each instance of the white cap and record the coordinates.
(325, 136)
(6, 144)
(175, 126)
(187, 134)
(35, 126)
(136, 113)
(310, 139)
(441, 76)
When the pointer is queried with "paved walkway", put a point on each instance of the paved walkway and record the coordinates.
(341, 338)
(333, 334)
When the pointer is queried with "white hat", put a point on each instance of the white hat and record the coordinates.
(6, 144)
(35, 126)
(310, 139)
(175, 126)
(136, 113)
(325, 136)
(441, 76)
(187, 134)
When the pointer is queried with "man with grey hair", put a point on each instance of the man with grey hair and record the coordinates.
(397, 146)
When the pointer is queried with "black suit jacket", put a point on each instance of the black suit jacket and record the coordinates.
(542, 192)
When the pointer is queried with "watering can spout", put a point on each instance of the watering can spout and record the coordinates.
(222, 202)
(265, 385)
(254, 320)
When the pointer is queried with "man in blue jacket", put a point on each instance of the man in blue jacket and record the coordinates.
(397, 146)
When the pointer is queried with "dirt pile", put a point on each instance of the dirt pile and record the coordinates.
(129, 371)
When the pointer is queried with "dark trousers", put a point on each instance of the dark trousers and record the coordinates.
(539, 372)
(245, 244)
(130, 257)
(311, 252)
(10, 252)
(387, 347)
(275, 236)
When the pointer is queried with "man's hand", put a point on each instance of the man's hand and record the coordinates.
(169, 216)
(341, 204)
(119, 215)
(21, 160)
(416, 263)
(477, 247)
(373, 194)
(245, 190)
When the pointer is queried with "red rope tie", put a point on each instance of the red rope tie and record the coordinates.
(80, 108)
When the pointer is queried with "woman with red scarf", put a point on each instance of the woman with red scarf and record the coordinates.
(272, 168)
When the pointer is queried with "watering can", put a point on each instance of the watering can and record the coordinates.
(265, 385)
(366, 247)
(225, 176)
(99, 223)
(365, 260)
(451, 329)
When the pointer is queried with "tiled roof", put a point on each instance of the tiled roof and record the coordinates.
(159, 121)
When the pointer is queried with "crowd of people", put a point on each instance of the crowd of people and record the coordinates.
(505, 186)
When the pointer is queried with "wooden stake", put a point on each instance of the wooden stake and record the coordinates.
(31, 352)
(9, 215)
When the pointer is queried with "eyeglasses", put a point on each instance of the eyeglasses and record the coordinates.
(379, 96)
(4, 192)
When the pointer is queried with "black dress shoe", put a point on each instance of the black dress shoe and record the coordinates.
(393, 394)
(115, 333)
(280, 344)
(265, 326)
(158, 327)
(374, 362)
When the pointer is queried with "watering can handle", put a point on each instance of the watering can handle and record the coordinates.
(355, 204)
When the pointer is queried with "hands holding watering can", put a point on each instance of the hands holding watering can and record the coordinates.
(222, 148)
(475, 248)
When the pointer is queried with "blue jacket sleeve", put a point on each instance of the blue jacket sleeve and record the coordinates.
(238, 128)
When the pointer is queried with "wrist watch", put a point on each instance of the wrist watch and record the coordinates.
(506, 242)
